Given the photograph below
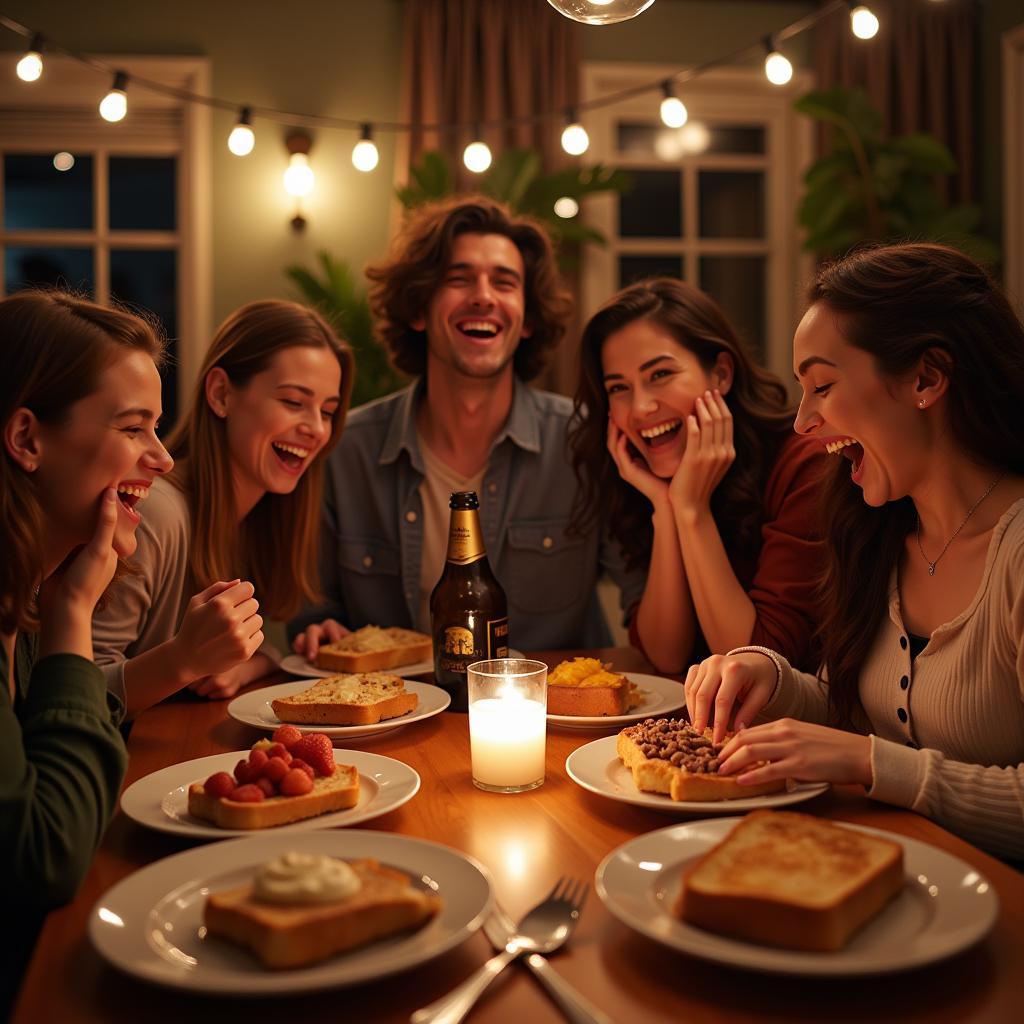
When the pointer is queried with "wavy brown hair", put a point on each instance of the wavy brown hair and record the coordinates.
(405, 282)
(54, 347)
(762, 419)
(902, 303)
(275, 545)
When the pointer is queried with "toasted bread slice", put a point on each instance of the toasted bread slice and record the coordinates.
(330, 793)
(372, 649)
(648, 749)
(585, 687)
(360, 699)
(791, 880)
(283, 935)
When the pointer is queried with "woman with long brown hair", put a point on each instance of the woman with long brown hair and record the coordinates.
(684, 446)
(911, 361)
(239, 517)
(79, 402)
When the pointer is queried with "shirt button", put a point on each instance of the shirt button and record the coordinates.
(547, 543)
(901, 714)
(903, 642)
(410, 516)
(367, 561)
(492, 488)
(904, 683)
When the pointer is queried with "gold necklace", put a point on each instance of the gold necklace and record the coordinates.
(945, 547)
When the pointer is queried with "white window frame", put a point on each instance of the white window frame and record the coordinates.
(728, 96)
(1013, 163)
(59, 112)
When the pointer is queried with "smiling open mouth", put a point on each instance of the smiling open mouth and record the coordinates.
(129, 495)
(662, 434)
(290, 454)
(482, 330)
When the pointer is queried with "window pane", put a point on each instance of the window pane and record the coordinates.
(142, 193)
(149, 278)
(653, 207)
(634, 268)
(737, 284)
(654, 139)
(37, 195)
(731, 204)
(31, 266)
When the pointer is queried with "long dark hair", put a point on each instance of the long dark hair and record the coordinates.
(762, 419)
(901, 303)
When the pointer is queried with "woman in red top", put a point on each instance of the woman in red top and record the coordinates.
(687, 447)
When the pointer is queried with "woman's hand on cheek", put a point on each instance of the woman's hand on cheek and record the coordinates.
(709, 454)
(634, 470)
(797, 750)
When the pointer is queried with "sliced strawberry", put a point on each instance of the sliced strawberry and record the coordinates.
(243, 773)
(279, 750)
(219, 784)
(248, 794)
(316, 750)
(257, 759)
(288, 735)
(296, 783)
(275, 769)
(302, 766)
(269, 789)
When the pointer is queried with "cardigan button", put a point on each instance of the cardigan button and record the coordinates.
(367, 561)
(410, 516)
(904, 683)
(903, 642)
(901, 714)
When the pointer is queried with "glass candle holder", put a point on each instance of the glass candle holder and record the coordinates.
(507, 723)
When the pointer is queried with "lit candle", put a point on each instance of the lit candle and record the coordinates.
(507, 726)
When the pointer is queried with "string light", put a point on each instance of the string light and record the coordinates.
(777, 68)
(566, 207)
(63, 161)
(30, 67)
(673, 110)
(477, 156)
(114, 105)
(600, 12)
(364, 153)
(242, 138)
(863, 22)
(575, 140)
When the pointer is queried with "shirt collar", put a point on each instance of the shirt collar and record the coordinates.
(522, 426)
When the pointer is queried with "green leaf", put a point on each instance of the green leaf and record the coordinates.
(925, 153)
(511, 174)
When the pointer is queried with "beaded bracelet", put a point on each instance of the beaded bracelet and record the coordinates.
(768, 653)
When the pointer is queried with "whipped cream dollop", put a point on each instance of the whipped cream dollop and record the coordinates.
(305, 878)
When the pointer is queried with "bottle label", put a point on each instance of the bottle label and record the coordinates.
(461, 647)
(465, 538)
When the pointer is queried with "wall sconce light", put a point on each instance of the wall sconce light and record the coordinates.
(298, 176)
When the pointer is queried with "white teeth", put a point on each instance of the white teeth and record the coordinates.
(294, 449)
(661, 428)
(837, 446)
(478, 325)
(134, 490)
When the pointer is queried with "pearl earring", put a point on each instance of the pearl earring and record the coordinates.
(921, 403)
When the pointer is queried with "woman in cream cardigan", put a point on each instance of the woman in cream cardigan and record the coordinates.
(911, 362)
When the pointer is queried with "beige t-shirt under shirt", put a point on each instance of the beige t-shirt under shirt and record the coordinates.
(438, 485)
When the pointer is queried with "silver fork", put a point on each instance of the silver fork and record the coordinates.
(576, 1007)
(543, 930)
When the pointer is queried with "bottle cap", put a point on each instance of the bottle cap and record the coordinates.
(464, 500)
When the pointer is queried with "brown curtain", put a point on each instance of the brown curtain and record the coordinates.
(920, 72)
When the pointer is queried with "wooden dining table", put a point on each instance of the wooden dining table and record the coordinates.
(526, 841)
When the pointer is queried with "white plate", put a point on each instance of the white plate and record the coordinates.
(659, 696)
(150, 923)
(160, 800)
(945, 906)
(596, 766)
(297, 665)
(254, 708)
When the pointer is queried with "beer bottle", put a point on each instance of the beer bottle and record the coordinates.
(468, 610)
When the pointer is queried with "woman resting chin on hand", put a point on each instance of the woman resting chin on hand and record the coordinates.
(238, 519)
(923, 594)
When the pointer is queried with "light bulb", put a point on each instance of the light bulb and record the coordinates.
(600, 12)
(114, 105)
(575, 139)
(673, 112)
(566, 207)
(364, 153)
(298, 177)
(242, 138)
(30, 67)
(63, 161)
(863, 23)
(777, 68)
(477, 157)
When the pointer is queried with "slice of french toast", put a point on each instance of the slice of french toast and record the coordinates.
(361, 698)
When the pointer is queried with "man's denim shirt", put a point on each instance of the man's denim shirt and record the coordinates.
(372, 539)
